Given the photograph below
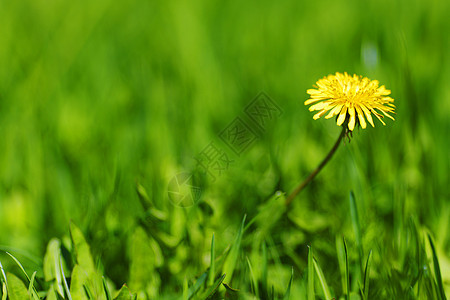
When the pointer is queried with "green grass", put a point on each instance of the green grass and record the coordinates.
(102, 103)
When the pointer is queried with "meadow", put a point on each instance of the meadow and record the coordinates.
(106, 106)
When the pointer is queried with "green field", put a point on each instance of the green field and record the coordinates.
(103, 103)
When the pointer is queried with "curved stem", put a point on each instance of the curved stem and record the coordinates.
(317, 170)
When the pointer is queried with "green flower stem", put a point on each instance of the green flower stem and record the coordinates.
(313, 174)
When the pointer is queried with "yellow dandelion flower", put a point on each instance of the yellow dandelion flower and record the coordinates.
(350, 96)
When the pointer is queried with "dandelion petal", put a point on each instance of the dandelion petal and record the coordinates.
(362, 121)
(351, 123)
(359, 97)
(342, 116)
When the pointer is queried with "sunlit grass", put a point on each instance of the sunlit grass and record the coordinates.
(102, 103)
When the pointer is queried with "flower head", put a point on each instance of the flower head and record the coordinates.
(351, 98)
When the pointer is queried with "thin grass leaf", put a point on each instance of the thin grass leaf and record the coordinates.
(31, 289)
(311, 293)
(232, 257)
(288, 291)
(25, 254)
(3, 273)
(322, 280)
(4, 290)
(87, 291)
(357, 230)
(367, 276)
(200, 281)
(347, 274)
(361, 291)
(34, 291)
(106, 289)
(253, 280)
(212, 265)
(341, 260)
(213, 289)
(66, 287)
(437, 271)
(19, 264)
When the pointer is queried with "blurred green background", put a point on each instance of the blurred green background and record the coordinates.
(101, 98)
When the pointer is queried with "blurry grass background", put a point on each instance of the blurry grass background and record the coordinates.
(97, 96)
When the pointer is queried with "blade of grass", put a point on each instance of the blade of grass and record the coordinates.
(34, 291)
(323, 282)
(25, 254)
(4, 290)
(19, 264)
(105, 287)
(437, 270)
(3, 273)
(87, 291)
(212, 266)
(31, 288)
(288, 291)
(212, 289)
(419, 256)
(341, 261)
(311, 295)
(197, 285)
(231, 260)
(253, 280)
(361, 291)
(366, 276)
(66, 287)
(347, 275)
(357, 230)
